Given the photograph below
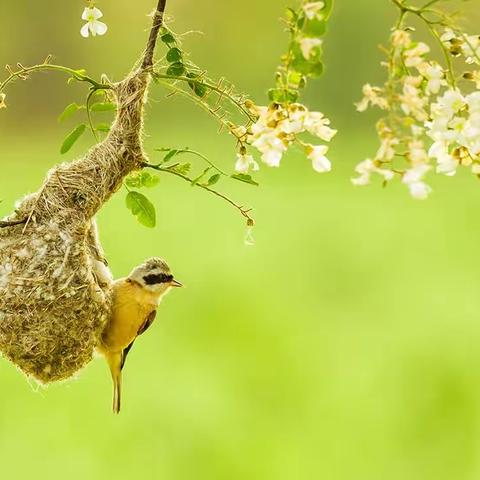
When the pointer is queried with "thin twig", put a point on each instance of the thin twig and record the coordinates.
(245, 212)
(23, 73)
(152, 40)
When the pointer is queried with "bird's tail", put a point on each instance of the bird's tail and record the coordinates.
(117, 393)
(115, 362)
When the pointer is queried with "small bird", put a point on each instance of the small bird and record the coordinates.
(135, 302)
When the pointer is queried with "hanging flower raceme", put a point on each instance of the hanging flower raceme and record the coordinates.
(93, 26)
(286, 122)
(433, 112)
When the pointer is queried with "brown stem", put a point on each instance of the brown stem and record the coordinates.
(152, 40)
(12, 224)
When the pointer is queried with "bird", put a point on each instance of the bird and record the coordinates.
(135, 302)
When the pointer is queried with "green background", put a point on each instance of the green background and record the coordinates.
(343, 345)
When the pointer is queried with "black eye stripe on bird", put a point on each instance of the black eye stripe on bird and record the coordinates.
(153, 279)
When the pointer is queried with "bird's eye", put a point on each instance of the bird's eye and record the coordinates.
(154, 278)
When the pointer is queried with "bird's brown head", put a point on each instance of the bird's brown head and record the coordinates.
(154, 275)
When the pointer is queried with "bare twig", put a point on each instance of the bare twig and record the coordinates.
(152, 40)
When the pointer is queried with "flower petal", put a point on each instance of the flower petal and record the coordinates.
(96, 13)
(98, 28)
(86, 13)
(84, 32)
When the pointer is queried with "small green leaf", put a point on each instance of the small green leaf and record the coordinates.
(199, 88)
(167, 38)
(69, 111)
(170, 155)
(142, 179)
(176, 69)
(103, 127)
(245, 178)
(182, 168)
(142, 209)
(315, 28)
(213, 179)
(103, 107)
(174, 55)
(72, 138)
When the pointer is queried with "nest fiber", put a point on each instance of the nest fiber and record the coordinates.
(55, 287)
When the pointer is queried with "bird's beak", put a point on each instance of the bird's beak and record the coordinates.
(175, 283)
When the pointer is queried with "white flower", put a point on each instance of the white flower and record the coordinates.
(308, 45)
(271, 147)
(417, 153)
(435, 78)
(401, 38)
(446, 163)
(320, 162)
(312, 10)
(93, 26)
(387, 148)
(413, 178)
(413, 57)
(371, 95)
(244, 162)
(365, 170)
(317, 124)
(412, 102)
(449, 104)
(419, 190)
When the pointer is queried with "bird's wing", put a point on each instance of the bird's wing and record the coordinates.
(143, 328)
(148, 321)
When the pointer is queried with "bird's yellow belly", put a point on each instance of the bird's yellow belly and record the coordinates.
(127, 318)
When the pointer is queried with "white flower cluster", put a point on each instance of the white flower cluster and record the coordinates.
(431, 123)
(276, 129)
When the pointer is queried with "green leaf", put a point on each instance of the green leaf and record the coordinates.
(327, 10)
(72, 138)
(213, 179)
(103, 127)
(170, 155)
(174, 55)
(245, 178)
(142, 179)
(167, 38)
(199, 88)
(182, 168)
(315, 28)
(69, 111)
(279, 95)
(103, 107)
(142, 209)
(176, 69)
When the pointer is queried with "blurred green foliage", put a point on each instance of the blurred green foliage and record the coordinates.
(344, 345)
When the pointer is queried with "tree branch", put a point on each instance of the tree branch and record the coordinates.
(152, 40)
(12, 224)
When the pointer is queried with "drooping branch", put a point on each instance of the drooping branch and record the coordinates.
(152, 40)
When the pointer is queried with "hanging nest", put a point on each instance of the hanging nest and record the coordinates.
(55, 286)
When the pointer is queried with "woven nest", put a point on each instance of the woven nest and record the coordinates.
(55, 286)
